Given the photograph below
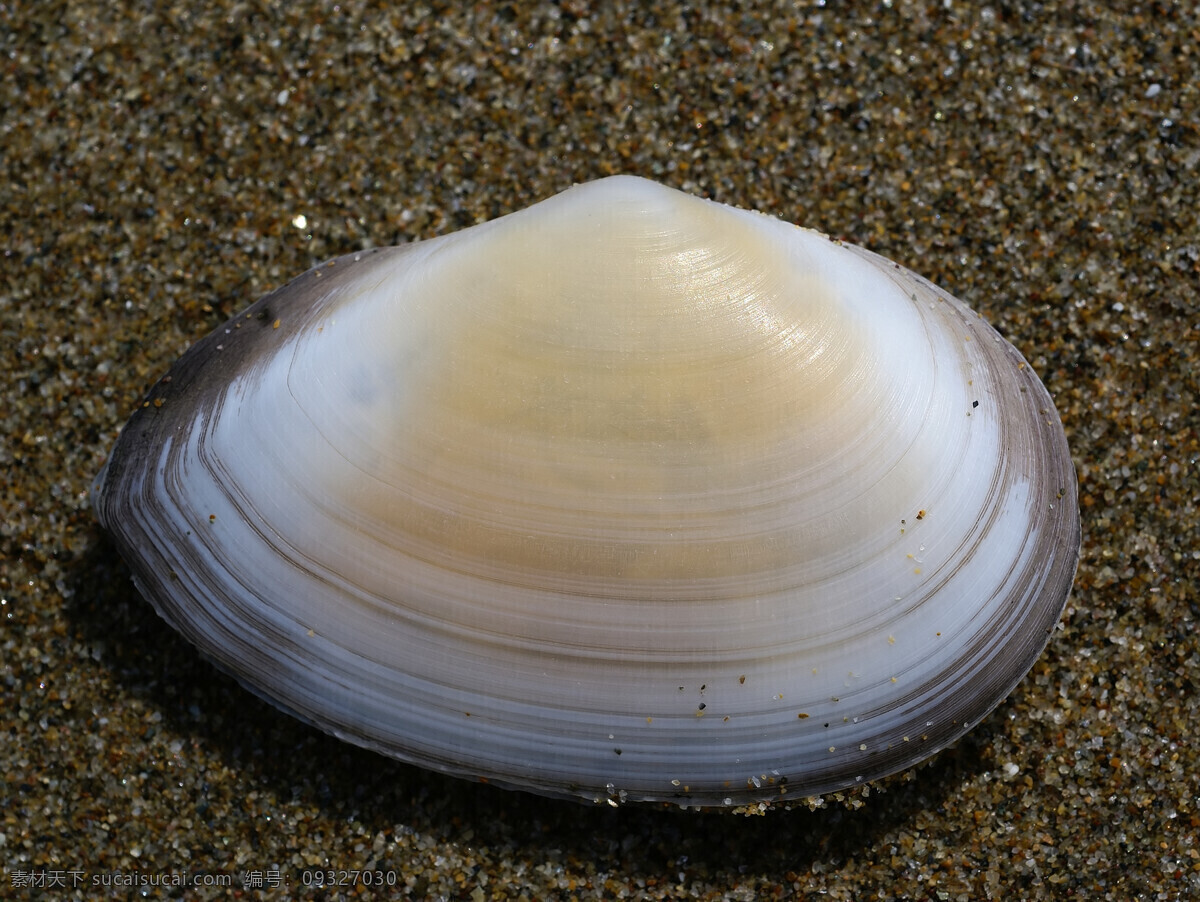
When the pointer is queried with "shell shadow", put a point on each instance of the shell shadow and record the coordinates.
(297, 764)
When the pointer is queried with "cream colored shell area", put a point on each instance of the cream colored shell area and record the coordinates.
(626, 493)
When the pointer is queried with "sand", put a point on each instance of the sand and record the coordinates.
(164, 167)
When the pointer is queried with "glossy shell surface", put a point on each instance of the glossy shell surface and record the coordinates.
(629, 496)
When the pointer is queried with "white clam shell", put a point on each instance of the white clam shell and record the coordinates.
(629, 495)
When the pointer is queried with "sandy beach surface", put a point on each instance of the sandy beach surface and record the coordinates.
(165, 164)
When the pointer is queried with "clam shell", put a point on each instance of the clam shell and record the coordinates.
(626, 496)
